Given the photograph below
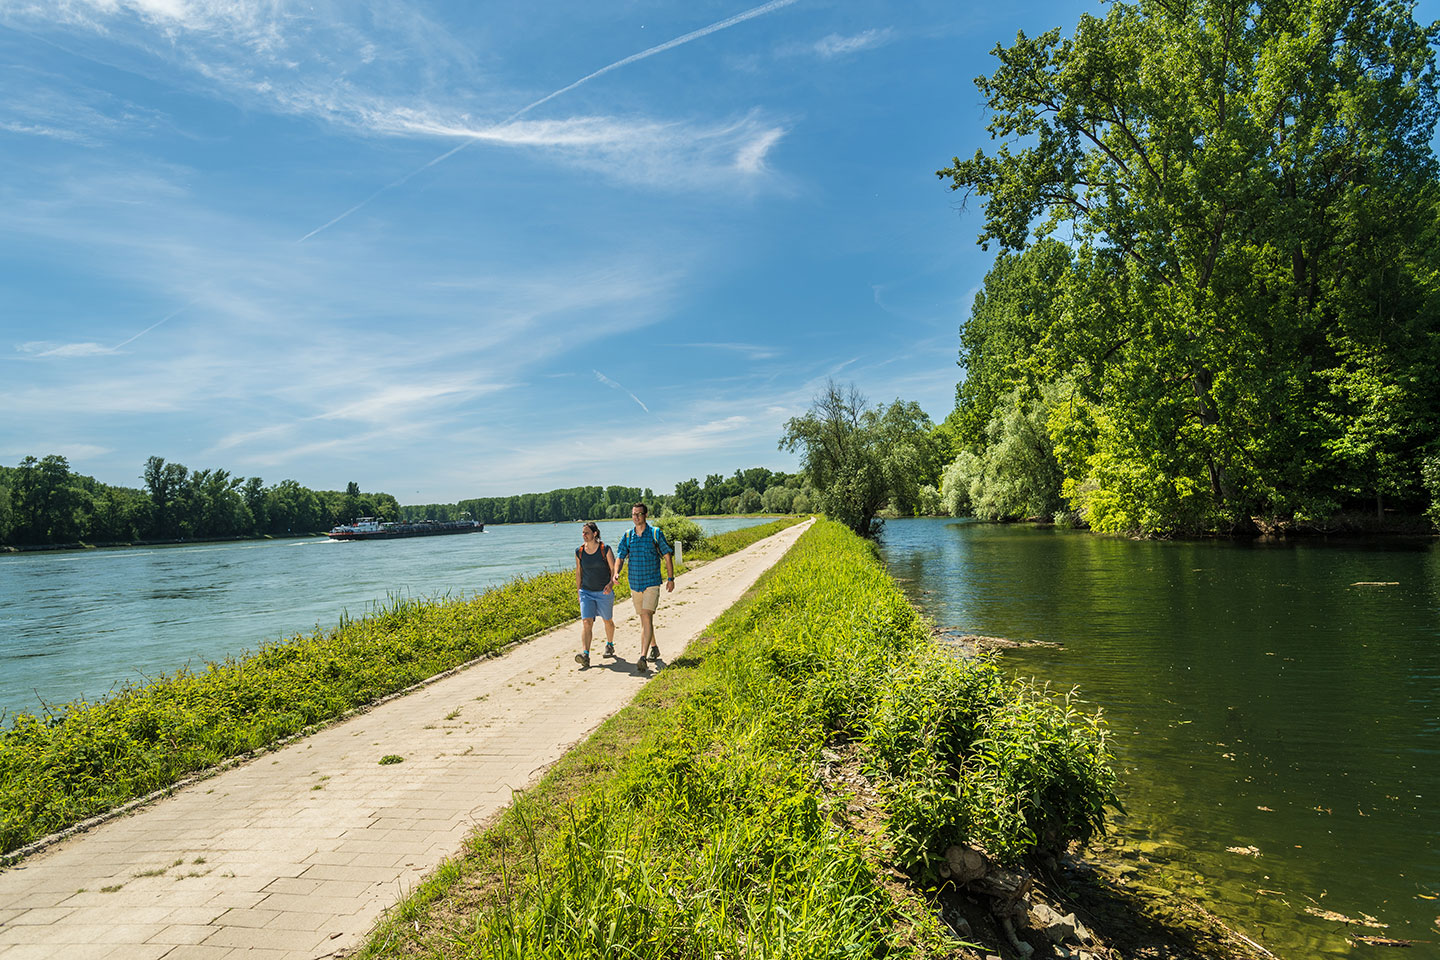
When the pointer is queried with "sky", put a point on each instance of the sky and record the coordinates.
(451, 250)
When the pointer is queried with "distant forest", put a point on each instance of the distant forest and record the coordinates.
(43, 502)
(746, 491)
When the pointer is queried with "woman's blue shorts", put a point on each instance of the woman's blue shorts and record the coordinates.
(594, 602)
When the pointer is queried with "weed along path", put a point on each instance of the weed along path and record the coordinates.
(296, 853)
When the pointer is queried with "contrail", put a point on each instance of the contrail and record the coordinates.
(750, 14)
(169, 316)
(611, 383)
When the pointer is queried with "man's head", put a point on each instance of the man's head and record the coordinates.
(638, 513)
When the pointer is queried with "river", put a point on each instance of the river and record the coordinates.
(77, 624)
(1275, 709)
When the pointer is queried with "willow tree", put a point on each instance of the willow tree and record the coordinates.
(1250, 193)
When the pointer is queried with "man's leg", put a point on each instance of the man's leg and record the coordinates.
(647, 631)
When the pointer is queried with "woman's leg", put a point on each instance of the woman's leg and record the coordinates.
(587, 631)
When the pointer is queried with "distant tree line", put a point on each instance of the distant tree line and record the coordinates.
(43, 502)
(755, 490)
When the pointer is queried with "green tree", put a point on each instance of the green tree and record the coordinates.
(1002, 342)
(840, 450)
(46, 501)
(687, 493)
(1015, 474)
(165, 483)
(1250, 188)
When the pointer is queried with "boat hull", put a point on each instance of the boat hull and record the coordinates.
(402, 531)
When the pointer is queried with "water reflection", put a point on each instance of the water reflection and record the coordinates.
(1260, 696)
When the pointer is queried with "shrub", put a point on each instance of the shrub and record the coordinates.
(682, 529)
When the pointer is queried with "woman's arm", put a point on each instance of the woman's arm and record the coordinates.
(577, 571)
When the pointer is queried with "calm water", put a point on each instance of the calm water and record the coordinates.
(75, 624)
(1257, 696)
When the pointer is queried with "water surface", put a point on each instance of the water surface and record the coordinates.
(75, 624)
(1258, 696)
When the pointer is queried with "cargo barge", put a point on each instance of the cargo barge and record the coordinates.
(369, 528)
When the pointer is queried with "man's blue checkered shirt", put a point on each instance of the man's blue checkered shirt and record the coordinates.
(644, 569)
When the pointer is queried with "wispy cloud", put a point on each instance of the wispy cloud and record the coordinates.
(752, 350)
(837, 45)
(615, 386)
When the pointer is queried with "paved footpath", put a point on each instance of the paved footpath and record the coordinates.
(297, 853)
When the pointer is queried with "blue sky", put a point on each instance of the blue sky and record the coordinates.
(338, 242)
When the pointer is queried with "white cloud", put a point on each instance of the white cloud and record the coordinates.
(750, 158)
(836, 45)
(49, 348)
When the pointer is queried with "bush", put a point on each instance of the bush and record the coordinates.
(682, 529)
(1430, 480)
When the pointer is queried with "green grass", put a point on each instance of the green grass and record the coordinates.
(694, 823)
(82, 758)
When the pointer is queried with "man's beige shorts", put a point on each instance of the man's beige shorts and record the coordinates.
(647, 600)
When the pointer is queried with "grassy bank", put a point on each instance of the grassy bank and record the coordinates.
(713, 817)
(85, 758)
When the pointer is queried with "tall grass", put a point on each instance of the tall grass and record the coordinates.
(693, 823)
(82, 758)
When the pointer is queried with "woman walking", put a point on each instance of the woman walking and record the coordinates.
(595, 580)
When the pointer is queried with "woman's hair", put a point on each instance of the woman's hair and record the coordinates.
(593, 528)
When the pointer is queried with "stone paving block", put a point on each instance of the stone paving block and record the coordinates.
(31, 951)
(180, 933)
(200, 951)
(286, 920)
(311, 903)
(138, 951)
(34, 917)
(246, 917)
(273, 939)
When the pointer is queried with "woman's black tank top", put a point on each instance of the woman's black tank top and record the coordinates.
(594, 568)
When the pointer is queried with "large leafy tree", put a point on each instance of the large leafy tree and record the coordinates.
(1250, 193)
(860, 458)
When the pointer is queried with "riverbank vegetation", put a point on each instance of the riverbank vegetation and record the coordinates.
(43, 502)
(1216, 305)
(760, 793)
(81, 759)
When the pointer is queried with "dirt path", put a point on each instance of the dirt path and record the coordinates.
(297, 853)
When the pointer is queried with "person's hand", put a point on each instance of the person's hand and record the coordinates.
(609, 587)
(669, 585)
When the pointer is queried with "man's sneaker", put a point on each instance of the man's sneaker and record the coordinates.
(641, 667)
(654, 652)
(583, 658)
(609, 649)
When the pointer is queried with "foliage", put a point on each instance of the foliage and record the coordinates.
(83, 758)
(1010, 320)
(1250, 303)
(1430, 478)
(694, 824)
(859, 459)
(1015, 476)
(682, 529)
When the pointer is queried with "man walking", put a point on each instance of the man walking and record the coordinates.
(643, 547)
